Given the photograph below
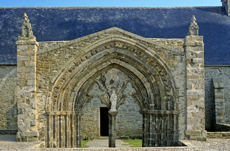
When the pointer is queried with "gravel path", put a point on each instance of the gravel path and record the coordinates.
(211, 145)
(7, 142)
(105, 144)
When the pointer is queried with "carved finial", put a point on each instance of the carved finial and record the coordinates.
(226, 4)
(26, 27)
(194, 28)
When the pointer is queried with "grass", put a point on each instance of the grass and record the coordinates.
(134, 142)
(83, 143)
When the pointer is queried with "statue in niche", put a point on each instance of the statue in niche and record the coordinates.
(113, 100)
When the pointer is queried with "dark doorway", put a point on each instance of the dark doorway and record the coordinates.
(104, 121)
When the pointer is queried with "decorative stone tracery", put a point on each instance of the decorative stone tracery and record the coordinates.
(158, 68)
(148, 75)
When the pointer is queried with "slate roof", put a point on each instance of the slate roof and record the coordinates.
(57, 24)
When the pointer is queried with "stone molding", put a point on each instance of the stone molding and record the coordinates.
(139, 48)
(27, 42)
(218, 83)
(159, 112)
(113, 113)
(87, 56)
(64, 113)
(110, 32)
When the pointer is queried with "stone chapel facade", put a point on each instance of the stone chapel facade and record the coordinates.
(115, 82)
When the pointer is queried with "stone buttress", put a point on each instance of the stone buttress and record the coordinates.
(194, 49)
(26, 84)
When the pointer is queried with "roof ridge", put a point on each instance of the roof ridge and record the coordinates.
(91, 7)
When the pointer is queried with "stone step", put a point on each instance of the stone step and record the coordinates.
(106, 137)
(222, 135)
(103, 137)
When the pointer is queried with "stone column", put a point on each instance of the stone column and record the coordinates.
(78, 129)
(219, 100)
(194, 49)
(112, 128)
(145, 129)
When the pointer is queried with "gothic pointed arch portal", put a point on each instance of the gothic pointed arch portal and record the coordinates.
(155, 91)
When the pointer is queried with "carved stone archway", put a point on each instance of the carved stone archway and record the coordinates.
(148, 73)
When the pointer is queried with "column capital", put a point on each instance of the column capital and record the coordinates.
(113, 113)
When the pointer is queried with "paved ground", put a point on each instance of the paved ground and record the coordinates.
(210, 145)
(104, 143)
(7, 142)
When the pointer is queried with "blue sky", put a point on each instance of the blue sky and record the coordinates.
(119, 3)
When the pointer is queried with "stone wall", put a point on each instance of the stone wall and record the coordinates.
(210, 73)
(129, 120)
(8, 108)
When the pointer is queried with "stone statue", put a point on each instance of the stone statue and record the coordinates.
(26, 27)
(112, 97)
(194, 28)
(113, 100)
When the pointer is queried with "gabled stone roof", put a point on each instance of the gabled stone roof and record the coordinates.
(57, 24)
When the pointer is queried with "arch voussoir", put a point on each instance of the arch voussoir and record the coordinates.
(149, 75)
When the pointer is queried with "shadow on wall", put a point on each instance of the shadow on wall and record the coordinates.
(11, 115)
(209, 106)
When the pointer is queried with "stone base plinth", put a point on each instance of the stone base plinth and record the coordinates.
(27, 136)
(199, 135)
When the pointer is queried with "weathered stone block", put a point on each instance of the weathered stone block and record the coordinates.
(23, 58)
(193, 76)
(33, 122)
(29, 134)
(18, 137)
(23, 70)
(31, 82)
(193, 132)
(198, 60)
(31, 76)
(30, 63)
